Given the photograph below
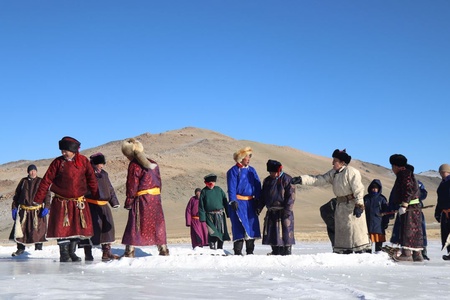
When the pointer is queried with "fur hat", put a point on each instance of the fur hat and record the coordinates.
(69, 144)
(398, 160)
(210, 178)
(97, 158)
(444, 168)
(274, 166)
(31, 167)
(239, 155)
(132, 148)
(342, 156)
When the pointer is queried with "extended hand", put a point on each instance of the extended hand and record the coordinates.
(402, 210)
(234, 205)
(358, 210)
(296, 180)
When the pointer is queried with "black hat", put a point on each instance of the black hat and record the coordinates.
(97, 158)
(210, 178)
(342, 155)
(398, 160)
(410, 167)
(69, 144)
(31, 167)
(273, 166)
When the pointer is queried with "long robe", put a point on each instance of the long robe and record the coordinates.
(405, 189)
(198, 230)
(68, 179)
(213, 209)
(278, 196)
(102, 218)
(351, 233)
(33, 227)
(146, 225)
(244, 181)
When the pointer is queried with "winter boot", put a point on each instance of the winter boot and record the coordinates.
(287, 250)
(446, 257)
(88, 253)
(163, 250)
(20, 250)
(38, 246)
(129, 251)
(107, 255)
(275, 250)
(238, 245)
(64, 252)
(219, 244)
(72, 248)
(405, 256)
(212, 245)
(378, 246)
(250, 246)
(417, 256)
(425, 253)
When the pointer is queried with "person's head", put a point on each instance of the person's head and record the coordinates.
(444, 170)
(133, 149)
(340, 159)
(197, 192)
(210, 180)
(398, 162)
(274, 168)
(242, 156)
(32, 171)
(97, 160)
(69, 147)
(375, 187)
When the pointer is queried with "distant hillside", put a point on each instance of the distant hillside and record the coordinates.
(188, 154)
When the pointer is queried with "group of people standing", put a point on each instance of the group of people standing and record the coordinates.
(76, 194)
(207, 212)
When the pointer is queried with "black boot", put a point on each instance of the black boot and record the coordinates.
(287, 250)
(20, 250)
(72, 249)
(250, 246)
(64, 252)
(425, 253)
(238, 245)
(275, 250)
(212, 245)
(219, 244)
(88, 253)
(38, 246)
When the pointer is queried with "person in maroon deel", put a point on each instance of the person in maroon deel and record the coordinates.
(69, 176)
(199, 231)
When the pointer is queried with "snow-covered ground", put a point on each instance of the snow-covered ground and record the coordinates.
(312, 272)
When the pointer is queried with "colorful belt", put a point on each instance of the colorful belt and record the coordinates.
(153, 191)
(239, 197)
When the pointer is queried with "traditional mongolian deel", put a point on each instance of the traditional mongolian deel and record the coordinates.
(29, 227)
(199, 231)
(70, 181)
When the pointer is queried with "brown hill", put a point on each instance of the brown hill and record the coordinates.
(186, 155)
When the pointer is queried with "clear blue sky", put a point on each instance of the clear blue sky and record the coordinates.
(369, 76)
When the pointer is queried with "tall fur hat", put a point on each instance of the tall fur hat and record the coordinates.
(97, 158)
(239, 155)
(398, 160)
(70, 144)
(342, 155)
(132, 148)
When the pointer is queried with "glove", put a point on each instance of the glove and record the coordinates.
(401, 210)
(14, 213)
(438, 218)
(258, 211)
(116, 206)
(296, 180)
(234, 205)
(385, 225)
(357, 211)
(44, 212)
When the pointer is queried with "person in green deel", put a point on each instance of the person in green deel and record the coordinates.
(213, 209)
